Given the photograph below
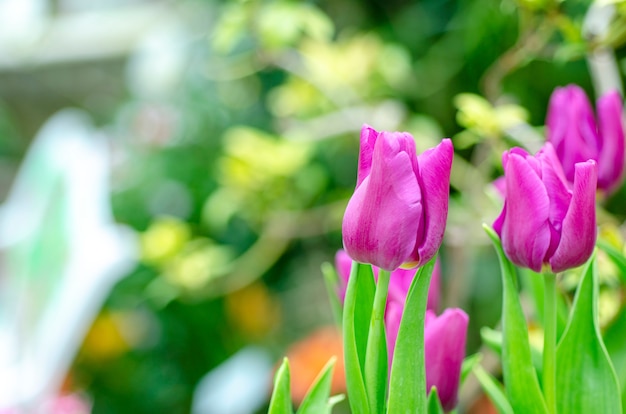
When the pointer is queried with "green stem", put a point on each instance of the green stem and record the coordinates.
(549, 341)
(376, 361)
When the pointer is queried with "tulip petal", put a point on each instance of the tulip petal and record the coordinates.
(400, 283)
(555, 182)
(525, 231)
(393, 317)
(578, 236)
(444, 348)
(366, 151)
(385, 212)
(343, 264)
(434, 180)
(611, 157)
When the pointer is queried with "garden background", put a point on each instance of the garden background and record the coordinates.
(231, 129)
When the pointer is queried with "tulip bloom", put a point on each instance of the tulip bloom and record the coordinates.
(397, 214)
(444, 348)
(572, 130)
(399, 283)
(544, 221)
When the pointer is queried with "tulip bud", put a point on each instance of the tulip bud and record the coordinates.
(544, 221)
(397, 214)
(444, 348)
(571, 128)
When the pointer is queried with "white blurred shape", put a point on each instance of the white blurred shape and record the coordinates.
(62, 254)
(21, 23)
(156, 67)
(240, 385)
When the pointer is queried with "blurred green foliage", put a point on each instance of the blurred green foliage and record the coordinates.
(234, 129)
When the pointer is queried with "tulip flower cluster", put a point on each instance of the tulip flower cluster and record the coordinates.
(548, 225)
(445, 335)
(399, 355)
(396, 217)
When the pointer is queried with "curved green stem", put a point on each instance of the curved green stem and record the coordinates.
(549, 341)
(376, 354)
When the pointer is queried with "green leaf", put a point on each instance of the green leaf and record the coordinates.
(280, 403)
(407, 385)
(520, 377)
(615, 342)
(366, 287)
(533, 283)
(587, 382)
(334, 400)
(493, 390)
(356, 314)
(376, 364)
(616, 257)
(434, 405)
(331, 280)
(493, 340)
(317, 397)
(468, 365)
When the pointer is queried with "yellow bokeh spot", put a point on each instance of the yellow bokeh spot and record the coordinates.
(163, 240)
(253, 310)
(194, 267)
(255, 159)
(105, 340)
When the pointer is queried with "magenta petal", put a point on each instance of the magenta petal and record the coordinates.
(578, 236)
(434, 167)
(559, 195)
(383, 216)
(525, 231)
(400, 283)
(499, 221)
(500, 185)
(343, 264)
(393, 316)
(547, 154)
(444, 348)
(611, 157)
(366, 151)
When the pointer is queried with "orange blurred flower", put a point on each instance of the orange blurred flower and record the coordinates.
(307, 358)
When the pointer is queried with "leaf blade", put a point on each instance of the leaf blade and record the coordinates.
(355, 327)
(280, 403)
(408, 371)
(493, 390)
(316, 400)
(520, 377)
(591, 384)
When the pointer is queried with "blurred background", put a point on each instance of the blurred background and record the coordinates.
(229, 138)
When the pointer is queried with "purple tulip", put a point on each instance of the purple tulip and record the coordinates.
(397, 214)
(571, 128)
(444, 348)
(544, 221)
(399, 283)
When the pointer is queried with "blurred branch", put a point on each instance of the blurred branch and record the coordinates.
(280, 230)
(601, 59)
(387, 115)
(532, 39)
